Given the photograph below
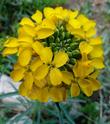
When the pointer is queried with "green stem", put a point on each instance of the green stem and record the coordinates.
(38, 118)
(66, 115)
(60, 113)
(37, 113)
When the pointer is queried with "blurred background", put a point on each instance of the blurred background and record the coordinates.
(15, 109)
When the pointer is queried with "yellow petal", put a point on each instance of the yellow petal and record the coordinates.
(43, 94)
(90, 33)
(55, 76)
(65, 14)
(37, 46)
(95, 84)
(97, 51)
(85, 58)
(33, 94)
(37, 17)
(22, 33)
(83, 83)
(40, 94)
(75, 23)
(57, 94)
(95, 41)
(88, 25)
(25, 39)
(27, 21)
(57, 13)
(22, 90)
(85, 47)
(83, 19)
(9, 51)
(48, 11)
(29, 30)
(86, 87)
(97, 63)
(25, 57)
(76, 70)
(40, 83)
(35, 64)
(41, 72)
(83, 68)
(67, 77)
(46, 55)
(49, 24)
(85, 65)
(18, 74)
(95, 74)
(26, 86)
(75, 90)
(11, 42)
(16, 66)
(28, 80)
(60, 59)
(77, 32)
(88, 91)
(73, 14)
(43, 33)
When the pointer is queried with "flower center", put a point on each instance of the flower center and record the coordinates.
(63, 40)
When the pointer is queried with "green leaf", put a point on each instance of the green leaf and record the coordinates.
(8, 94)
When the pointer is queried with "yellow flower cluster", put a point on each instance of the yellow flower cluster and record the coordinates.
(58, 51)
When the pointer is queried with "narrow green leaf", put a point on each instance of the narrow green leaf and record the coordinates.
(8, 94)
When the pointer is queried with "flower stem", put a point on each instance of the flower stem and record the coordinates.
(60, 113)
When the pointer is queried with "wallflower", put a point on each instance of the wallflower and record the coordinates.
(85, 74)
(50, 66)
(58, 51)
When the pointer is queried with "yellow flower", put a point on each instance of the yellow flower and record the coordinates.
(51, 67)
(44, 94)
(84, 72)
(82, 27)
(96, 61)
(40, 94)
(11, 45)
(18, 73)
(57, 51)
(57, 94)
(74, 90)
(97, 51)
